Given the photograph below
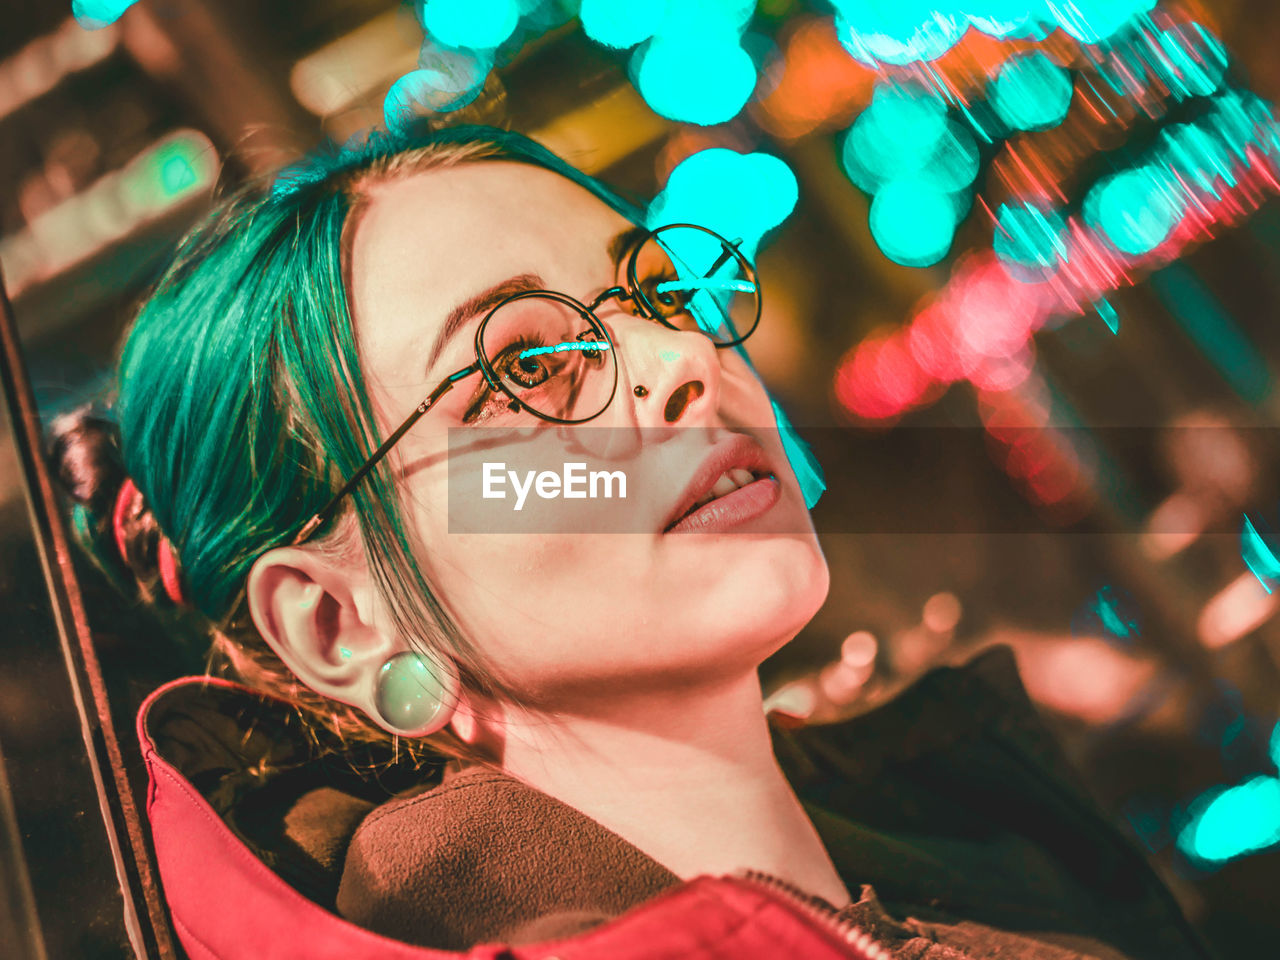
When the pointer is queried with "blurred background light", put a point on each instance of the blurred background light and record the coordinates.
(621, 23)
(905, 119)
(695, 79)
(1198, 158)
(95, 14)
(1133, 209)
(913, 222)
(896, 32)
(1008, 18)
(446, 80)
(475, 24)
(953, 164)
(1028, 235)
(1259, 557)
(1191, 60)
(1091, 21)
(741, 196)
(691, 19)
(1031, 92)
(1230, 823)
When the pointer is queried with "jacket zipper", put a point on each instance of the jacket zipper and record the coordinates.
(818, 910)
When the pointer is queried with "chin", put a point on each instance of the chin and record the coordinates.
(774, 588)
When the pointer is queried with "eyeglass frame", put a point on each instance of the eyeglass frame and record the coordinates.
(632, 292)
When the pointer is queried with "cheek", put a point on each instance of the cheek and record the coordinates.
(744, 402)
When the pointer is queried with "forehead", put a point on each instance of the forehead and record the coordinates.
(429, 241)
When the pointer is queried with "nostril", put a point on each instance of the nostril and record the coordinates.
(680, 399)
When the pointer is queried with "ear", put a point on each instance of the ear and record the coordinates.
(318, 620)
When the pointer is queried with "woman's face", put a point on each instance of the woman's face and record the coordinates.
(574, 597)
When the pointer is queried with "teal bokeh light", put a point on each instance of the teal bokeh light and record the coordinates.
(897, 135)
(1030, 237)
(704, 18)
(1191, 60)
(740, 196)
(1258, 556)
(1009, 18)
(701, 80)
(908, 118)
(1031, 92)
(621, 23)
(447, 80)
(1135, 210)
(1092, 21)
(1233, 822)
(808, 471)
(913, 222)
(1200, 160)
(473, 24)
(896, 31)
(953, 165)
(94, 14)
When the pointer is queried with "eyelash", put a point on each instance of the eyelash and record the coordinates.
(486, 399)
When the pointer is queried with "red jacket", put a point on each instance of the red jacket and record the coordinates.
(949, 802)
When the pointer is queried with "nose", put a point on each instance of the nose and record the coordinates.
(679, 371)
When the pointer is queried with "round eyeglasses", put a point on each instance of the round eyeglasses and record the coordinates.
(548, 353)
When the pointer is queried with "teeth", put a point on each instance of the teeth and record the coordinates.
(723, 486)
(729, 481)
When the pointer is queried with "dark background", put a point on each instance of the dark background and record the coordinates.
(1180, 702)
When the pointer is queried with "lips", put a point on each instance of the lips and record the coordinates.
(732, 485)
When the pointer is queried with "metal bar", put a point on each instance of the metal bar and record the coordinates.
(144, 911)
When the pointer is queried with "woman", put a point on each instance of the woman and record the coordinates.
(590, 674)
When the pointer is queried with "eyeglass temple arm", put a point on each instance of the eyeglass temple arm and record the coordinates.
(326, 511)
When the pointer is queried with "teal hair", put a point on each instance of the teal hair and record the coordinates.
(241, 401)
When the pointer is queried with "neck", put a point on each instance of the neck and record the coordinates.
(686, 775)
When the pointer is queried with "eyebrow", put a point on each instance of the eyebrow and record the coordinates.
(625, 242)
(619, 246)
(482, 302)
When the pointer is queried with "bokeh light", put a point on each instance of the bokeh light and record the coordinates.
(808, 471)
(1111, 613)
(705, 18)
(94, 14)
(1091, 21)
(895, 136)
(695, 79)
(907, 118)
(1191, 61)
(447, 80)
(913, 222)
(896, 32)
(1031, 92)
(474, 24)
(953, 165)
(621, 23)
(1028, 235)
(1008, 18)
(1135, 210)
(1197, 158)
(1259, 557)
(741, 196)
(1230, 823)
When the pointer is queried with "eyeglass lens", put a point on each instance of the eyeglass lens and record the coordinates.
(556, 359)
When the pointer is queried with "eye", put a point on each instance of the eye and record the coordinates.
(526, 372)
(664, 294)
